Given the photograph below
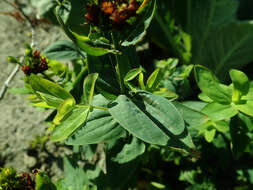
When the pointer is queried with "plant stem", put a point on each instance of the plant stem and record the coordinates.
(7, 82)
(119, 66)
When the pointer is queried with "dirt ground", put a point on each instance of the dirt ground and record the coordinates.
(19, 122)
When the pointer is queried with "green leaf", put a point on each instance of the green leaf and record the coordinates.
(100, 126)
(152, 119)
(240, 84)
(218, 111)
(88, 87)
(195, 105)
(210, 85)
(202, 96)
(69, 124)
(209, 135)
(246, 108)
(43, 182)
(75, 177)
(85, 43)
(47, 87)
(130, 151)
(192, 117)
(132, 74)
(63, 109)
(231, 45)
(154, 80)
(221, 126)
(62, 50)
(139, 30)
(50, 100)
(62, 12)
(164, 92)
(42, 105)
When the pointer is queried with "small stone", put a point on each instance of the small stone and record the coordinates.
(29, 161)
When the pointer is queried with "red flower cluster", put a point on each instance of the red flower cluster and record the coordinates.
(36, 64)
(28, 182)
(115, 12)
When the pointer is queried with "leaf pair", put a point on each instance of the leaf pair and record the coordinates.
(69, 115)
(229, 99)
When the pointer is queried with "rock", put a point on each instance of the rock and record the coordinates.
(29, 161)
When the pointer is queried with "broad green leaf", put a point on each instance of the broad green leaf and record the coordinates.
(192, 117)
(69, 124)
(209, 135)
(100, 126)
(246, 108)
(240, 84)
(210, 85)
(139, 30)
(219, 40)
(47, 87)
(154, 80)
(162, 108)
(43, 182)
(85, 43)
(75, 177)
(249, 95)
(63, 109)
(88, 87)
(247, 120)
(218, 111)
(62, 50)
(130, 151)
(152, 119)
(202, 96)
(195, 105)
(221, 126)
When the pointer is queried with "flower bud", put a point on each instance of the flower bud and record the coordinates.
(12, 59)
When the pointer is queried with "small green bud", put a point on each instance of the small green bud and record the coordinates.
(28, 52)
(12, 59)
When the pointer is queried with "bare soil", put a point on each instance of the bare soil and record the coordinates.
(20, 123)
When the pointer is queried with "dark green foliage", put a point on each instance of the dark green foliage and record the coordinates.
(117, 106)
